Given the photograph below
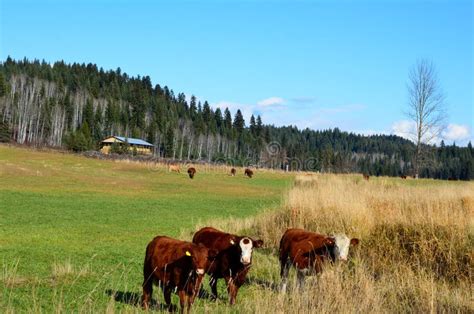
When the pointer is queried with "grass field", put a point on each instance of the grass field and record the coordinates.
(415, 255)
(73, 229)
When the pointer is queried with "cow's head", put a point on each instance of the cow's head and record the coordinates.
(340, 244)
(245, 246)
(201, 257)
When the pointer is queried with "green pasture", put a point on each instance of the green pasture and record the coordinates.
(73, 230)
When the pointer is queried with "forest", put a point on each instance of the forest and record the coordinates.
(75, 106)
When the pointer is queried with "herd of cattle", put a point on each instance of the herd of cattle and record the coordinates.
(192, 171)
(180, 265)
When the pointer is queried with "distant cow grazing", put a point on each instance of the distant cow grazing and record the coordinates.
(174, 168)
(174, 264)
(248, 172)
(233, 172)
(307, 251)
(366, 176)
(233, 260)
(403, 176)
(191, 172)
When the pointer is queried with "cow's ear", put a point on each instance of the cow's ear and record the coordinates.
(354, 241)
(257, 243)
(212, 254)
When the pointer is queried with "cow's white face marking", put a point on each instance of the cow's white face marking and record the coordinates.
(246, 246)
(200, 271)
(341, 249)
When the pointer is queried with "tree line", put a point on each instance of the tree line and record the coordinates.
(77, 105)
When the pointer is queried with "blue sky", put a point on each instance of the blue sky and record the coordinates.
(318, 64)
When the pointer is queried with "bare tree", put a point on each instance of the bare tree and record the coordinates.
(426, 108)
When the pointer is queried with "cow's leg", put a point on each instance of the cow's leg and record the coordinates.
(238, 282)
(301, 274)
(213, 284)
(195, 291)
(147, 289)
(231, 289)
(167, 294)
(183, 298)
(285, 265)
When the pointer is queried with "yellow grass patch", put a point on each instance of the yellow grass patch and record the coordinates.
(415, 254)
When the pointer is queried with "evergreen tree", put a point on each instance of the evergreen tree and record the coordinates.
(169, 142)
(88, 113)
(253, 126)
(3, 85)
(239, 122)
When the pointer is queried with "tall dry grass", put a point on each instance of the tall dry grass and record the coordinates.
(415, 255)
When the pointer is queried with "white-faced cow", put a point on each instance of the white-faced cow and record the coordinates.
(308, 251)
(233, 260)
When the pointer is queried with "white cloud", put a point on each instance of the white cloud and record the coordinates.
(456, 132)
(453, 133)
(271, 101)
(404, 128)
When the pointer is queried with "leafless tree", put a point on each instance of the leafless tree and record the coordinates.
(426, 107)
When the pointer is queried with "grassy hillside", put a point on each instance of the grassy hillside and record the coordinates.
(73, 229)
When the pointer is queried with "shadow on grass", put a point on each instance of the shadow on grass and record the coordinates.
(134, 299)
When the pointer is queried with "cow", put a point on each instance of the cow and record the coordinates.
(175, 264)
(366, 176)
(233, 260)
(403, 177)
(307, 252)
(233, 172)
(174, 168)
(191, 172)
(248, 172)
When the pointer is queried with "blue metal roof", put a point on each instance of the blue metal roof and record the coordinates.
(134, 141)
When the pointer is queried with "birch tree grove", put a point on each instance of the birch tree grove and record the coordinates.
(45, 104)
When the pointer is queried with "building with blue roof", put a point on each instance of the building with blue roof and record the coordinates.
(137, 145)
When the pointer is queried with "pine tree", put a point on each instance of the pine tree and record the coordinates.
(259, 128)
(3, 85)
(192, 108)
(88, 113)
(227, 119)
(169, 142)
(239, 122)
(253, 126)
(219, 120)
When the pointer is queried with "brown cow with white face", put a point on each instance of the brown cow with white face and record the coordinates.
(307, 251)
(233, 172)
(174, 264)
(233, 260)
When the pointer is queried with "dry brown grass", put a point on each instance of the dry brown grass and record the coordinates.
(416, 250)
